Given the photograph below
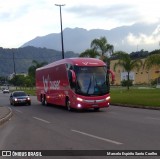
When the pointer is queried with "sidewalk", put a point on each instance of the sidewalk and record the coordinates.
(5, 114)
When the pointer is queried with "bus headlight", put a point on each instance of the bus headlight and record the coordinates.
(108, 98)
(79, 99)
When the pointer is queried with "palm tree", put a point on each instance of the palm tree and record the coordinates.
(101, 45)
(89, 53)
(127, 64)
(152, 60)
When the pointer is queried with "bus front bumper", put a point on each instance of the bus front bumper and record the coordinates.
(92, 103)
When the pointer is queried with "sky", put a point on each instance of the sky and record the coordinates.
(23, 20)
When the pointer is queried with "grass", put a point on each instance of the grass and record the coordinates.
(30, 91)
(134, 96)
(140, 97)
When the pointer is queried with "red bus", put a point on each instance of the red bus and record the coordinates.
(79, 83)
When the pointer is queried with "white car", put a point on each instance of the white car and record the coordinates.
(6, 90)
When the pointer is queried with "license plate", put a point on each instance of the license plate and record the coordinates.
(22, 100)
(95, 105)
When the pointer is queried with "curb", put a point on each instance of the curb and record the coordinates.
(6, 117)
(136, 106)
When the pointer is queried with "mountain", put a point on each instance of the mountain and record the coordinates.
(127, 38)
(23, 57)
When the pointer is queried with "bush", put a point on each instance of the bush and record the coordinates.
(154, 82)
(125, 83)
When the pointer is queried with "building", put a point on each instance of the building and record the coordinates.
(141, 77)
(13, 74)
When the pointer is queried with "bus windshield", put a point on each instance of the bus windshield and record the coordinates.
(91, 80)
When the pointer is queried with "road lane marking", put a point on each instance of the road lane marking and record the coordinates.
(114, 113)
(97, 137)
(18, 111)
(41, 120)
(153, 118)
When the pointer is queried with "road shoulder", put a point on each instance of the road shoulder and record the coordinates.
(5, 114)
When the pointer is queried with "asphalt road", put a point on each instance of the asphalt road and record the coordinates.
(38, 127)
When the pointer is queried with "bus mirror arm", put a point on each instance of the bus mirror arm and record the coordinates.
(112, 76)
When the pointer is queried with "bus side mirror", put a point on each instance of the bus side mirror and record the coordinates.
(112, 76)
(73, 76)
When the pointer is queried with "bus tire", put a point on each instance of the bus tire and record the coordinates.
(43, 100)
(68, 104)
(96, 109)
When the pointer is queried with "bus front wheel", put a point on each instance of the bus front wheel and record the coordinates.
(68, 104)
(96, 109)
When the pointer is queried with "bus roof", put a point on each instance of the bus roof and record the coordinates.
(77, 62)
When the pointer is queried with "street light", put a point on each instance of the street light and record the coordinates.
(60, 5)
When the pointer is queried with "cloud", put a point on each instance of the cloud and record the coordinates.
(143, 39)
(23, 20)
(11, 13)
(12, 10)
(108, 11)
(106, 16)
(26, 19)
(115, 13)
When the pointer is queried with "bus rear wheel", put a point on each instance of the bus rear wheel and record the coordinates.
(43, 100)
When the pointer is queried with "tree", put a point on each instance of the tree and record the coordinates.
(127, 64)
(18, 80)
(101, 45)
(29, 82)
(89, 53)
(32, 69)
(152, 60)
(155, 52)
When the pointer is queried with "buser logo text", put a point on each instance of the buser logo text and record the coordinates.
(48, 84)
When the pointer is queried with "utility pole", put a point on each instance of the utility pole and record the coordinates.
(14, 65)
(60, 5)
